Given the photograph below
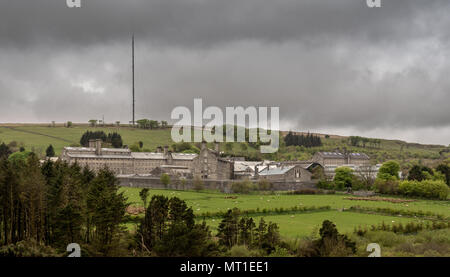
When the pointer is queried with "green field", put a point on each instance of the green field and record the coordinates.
(39, 137)
(215, 201)
(308, 224)
(295, 224)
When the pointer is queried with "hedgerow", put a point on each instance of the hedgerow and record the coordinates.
(265, 211)
(432, 189)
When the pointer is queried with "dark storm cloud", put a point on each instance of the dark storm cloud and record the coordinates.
(207, 22)
(328, 64)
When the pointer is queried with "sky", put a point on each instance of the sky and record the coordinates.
(331, 66)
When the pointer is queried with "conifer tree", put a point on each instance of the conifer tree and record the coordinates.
(50, 152)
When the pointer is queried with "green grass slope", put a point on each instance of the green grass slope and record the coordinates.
(37, 137)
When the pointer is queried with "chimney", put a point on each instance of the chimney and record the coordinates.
(166, 150)
(217, 147)
(256, 171)
(98, 147)
(169, 157)
(159, 149)
(203, 145)
(92, 143)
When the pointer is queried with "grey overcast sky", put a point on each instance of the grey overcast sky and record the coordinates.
(332, 66)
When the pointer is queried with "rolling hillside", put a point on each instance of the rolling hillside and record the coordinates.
(37, 137)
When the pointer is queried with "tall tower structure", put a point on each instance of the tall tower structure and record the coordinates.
(132, 62)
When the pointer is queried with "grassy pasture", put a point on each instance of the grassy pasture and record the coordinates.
(296, 224)
(39, 137)
(215, 201)
(308, 224)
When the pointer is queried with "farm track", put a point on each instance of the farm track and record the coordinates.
(36, 133)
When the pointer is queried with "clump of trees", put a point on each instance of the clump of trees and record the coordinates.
(363, 142)
(445, 170)
(330, 243)
(93, 122)
(422, 181)
(11, 147)
(114, 139)
(236, 230)
(343, 177)
(169, 229)
(56, 204)
(346, 178)
(185, 147)
(308, 140)
(389, 171)
(151, 124)
(420, 173)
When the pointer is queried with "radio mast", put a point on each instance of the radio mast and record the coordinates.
(132, 57)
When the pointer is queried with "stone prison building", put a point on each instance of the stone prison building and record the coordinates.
(206, 165)
(143, 169)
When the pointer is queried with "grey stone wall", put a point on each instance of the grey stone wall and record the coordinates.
(188, 184)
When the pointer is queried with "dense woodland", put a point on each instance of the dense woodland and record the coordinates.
(56, 204)
(308, 140)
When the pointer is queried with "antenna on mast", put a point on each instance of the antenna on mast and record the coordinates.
(132, 56)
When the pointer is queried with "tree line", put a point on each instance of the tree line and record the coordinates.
(151, 124)
(421, 181)
(308, 140)
(114, 138)
(363, 142)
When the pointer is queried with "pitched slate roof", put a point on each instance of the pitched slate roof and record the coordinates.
(94, 156)
(342, 155)
(160, 156)
(359, 156)
(276, 170)
(115, 153)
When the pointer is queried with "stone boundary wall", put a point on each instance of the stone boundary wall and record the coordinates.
(188, 184)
